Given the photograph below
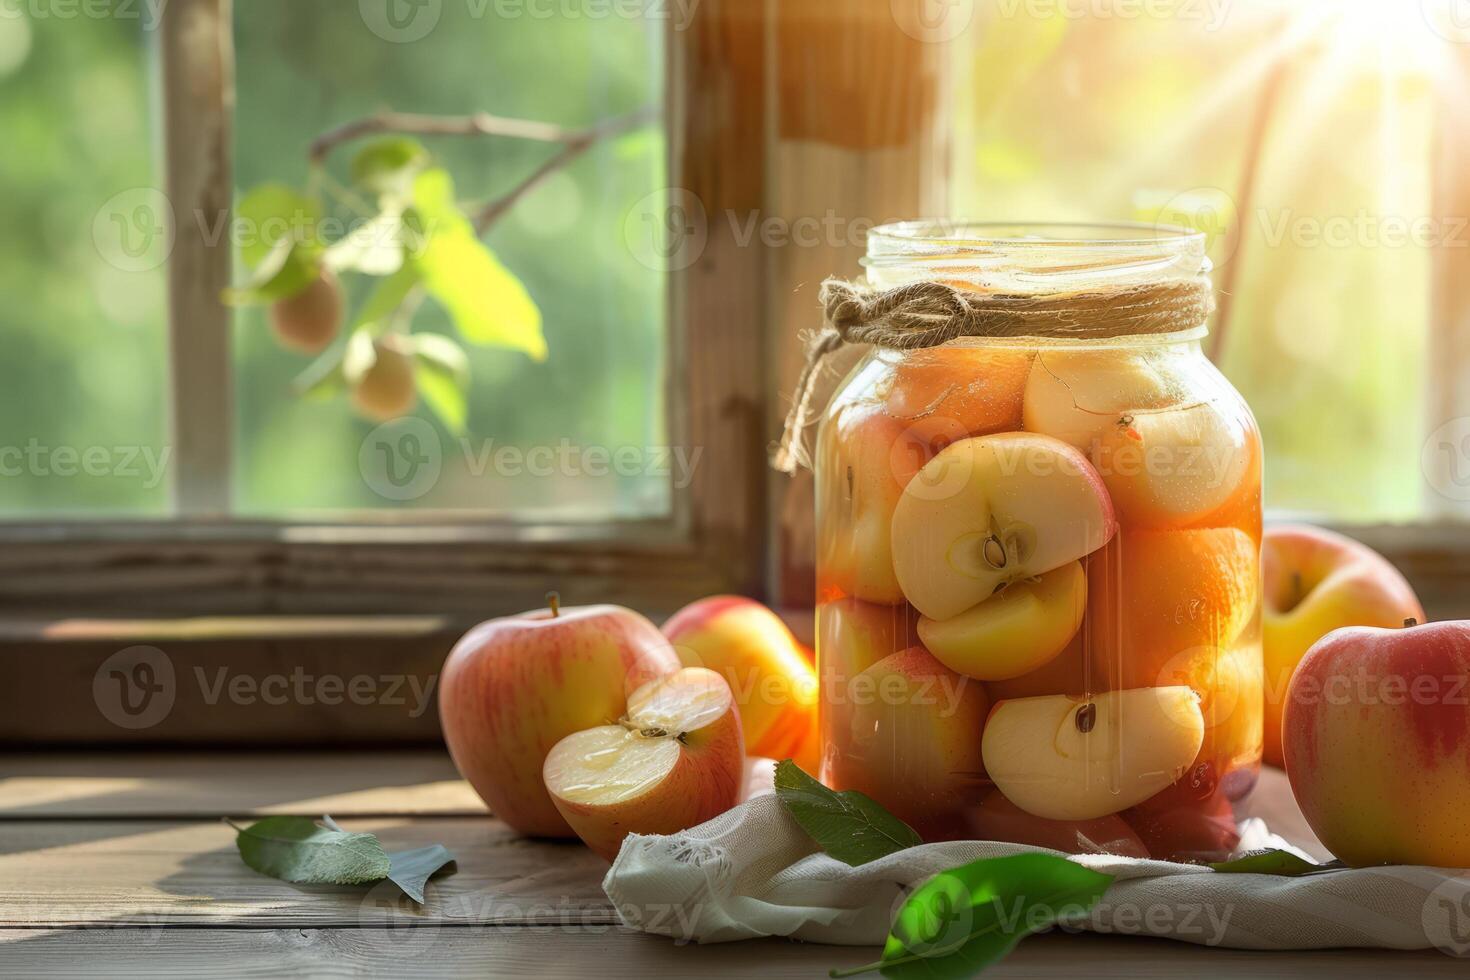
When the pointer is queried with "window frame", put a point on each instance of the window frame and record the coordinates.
(202, 561)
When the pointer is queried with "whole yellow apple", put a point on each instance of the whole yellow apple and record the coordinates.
(1377, 743)
(774, 685)
(1315, 582)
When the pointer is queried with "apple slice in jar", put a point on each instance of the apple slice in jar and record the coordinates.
(1166, 447)
(993, 510)
(1018, 630)
(1064, 758)
(676, 759)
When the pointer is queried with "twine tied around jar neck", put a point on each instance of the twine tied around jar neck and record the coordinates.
(926, 314)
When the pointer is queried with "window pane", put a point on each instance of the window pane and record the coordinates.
(541, 439)
(83, 239)
(1315, 225)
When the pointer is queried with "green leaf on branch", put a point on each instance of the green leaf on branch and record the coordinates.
(374, 248)
(967, 919)
(388, 165)
(271, 213)
(388, 296)
(1283, 864)
(298, 849)
(442, 373)
(847, 825)
(488, 304)
(290, 267)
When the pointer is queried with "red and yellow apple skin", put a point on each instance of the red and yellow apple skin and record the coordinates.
(512, 688)
(997, 818)
(774, 684)
(912, 741)
(852, 636)
(1315, 582)
(1376, 736)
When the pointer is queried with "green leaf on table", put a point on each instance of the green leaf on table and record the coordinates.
(442, 373)
(290, 267)
(847, 825)
(300, 850)
(967, 919)
(388, 165)
(1283, 864)
(411, 870)
(487, 302)
(270, 213)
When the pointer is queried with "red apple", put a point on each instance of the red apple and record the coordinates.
(514, 687)
(1316, 582)
(1377, 744)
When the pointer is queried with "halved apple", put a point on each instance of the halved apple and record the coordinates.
(1017, 630)
(1063, 758)
(675, 760)
(912, 740)
(993, 510)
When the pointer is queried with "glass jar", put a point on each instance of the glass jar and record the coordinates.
(1038, 562)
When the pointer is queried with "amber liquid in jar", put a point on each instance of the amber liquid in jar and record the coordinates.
(1038, 578)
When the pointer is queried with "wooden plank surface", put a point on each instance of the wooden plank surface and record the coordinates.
(608, 954)
(120, 863)
(160, 873)
(216, 784)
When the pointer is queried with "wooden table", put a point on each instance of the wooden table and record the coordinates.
(120, 865)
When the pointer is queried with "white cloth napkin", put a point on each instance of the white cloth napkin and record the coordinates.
(753, 872)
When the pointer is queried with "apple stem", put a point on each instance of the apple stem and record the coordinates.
(1411, 621)
(553, 599)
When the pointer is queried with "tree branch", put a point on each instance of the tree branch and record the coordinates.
(575, 146)
(479, 124)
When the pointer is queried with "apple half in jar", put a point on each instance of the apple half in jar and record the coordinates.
(993, 510)
(1065, 758)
